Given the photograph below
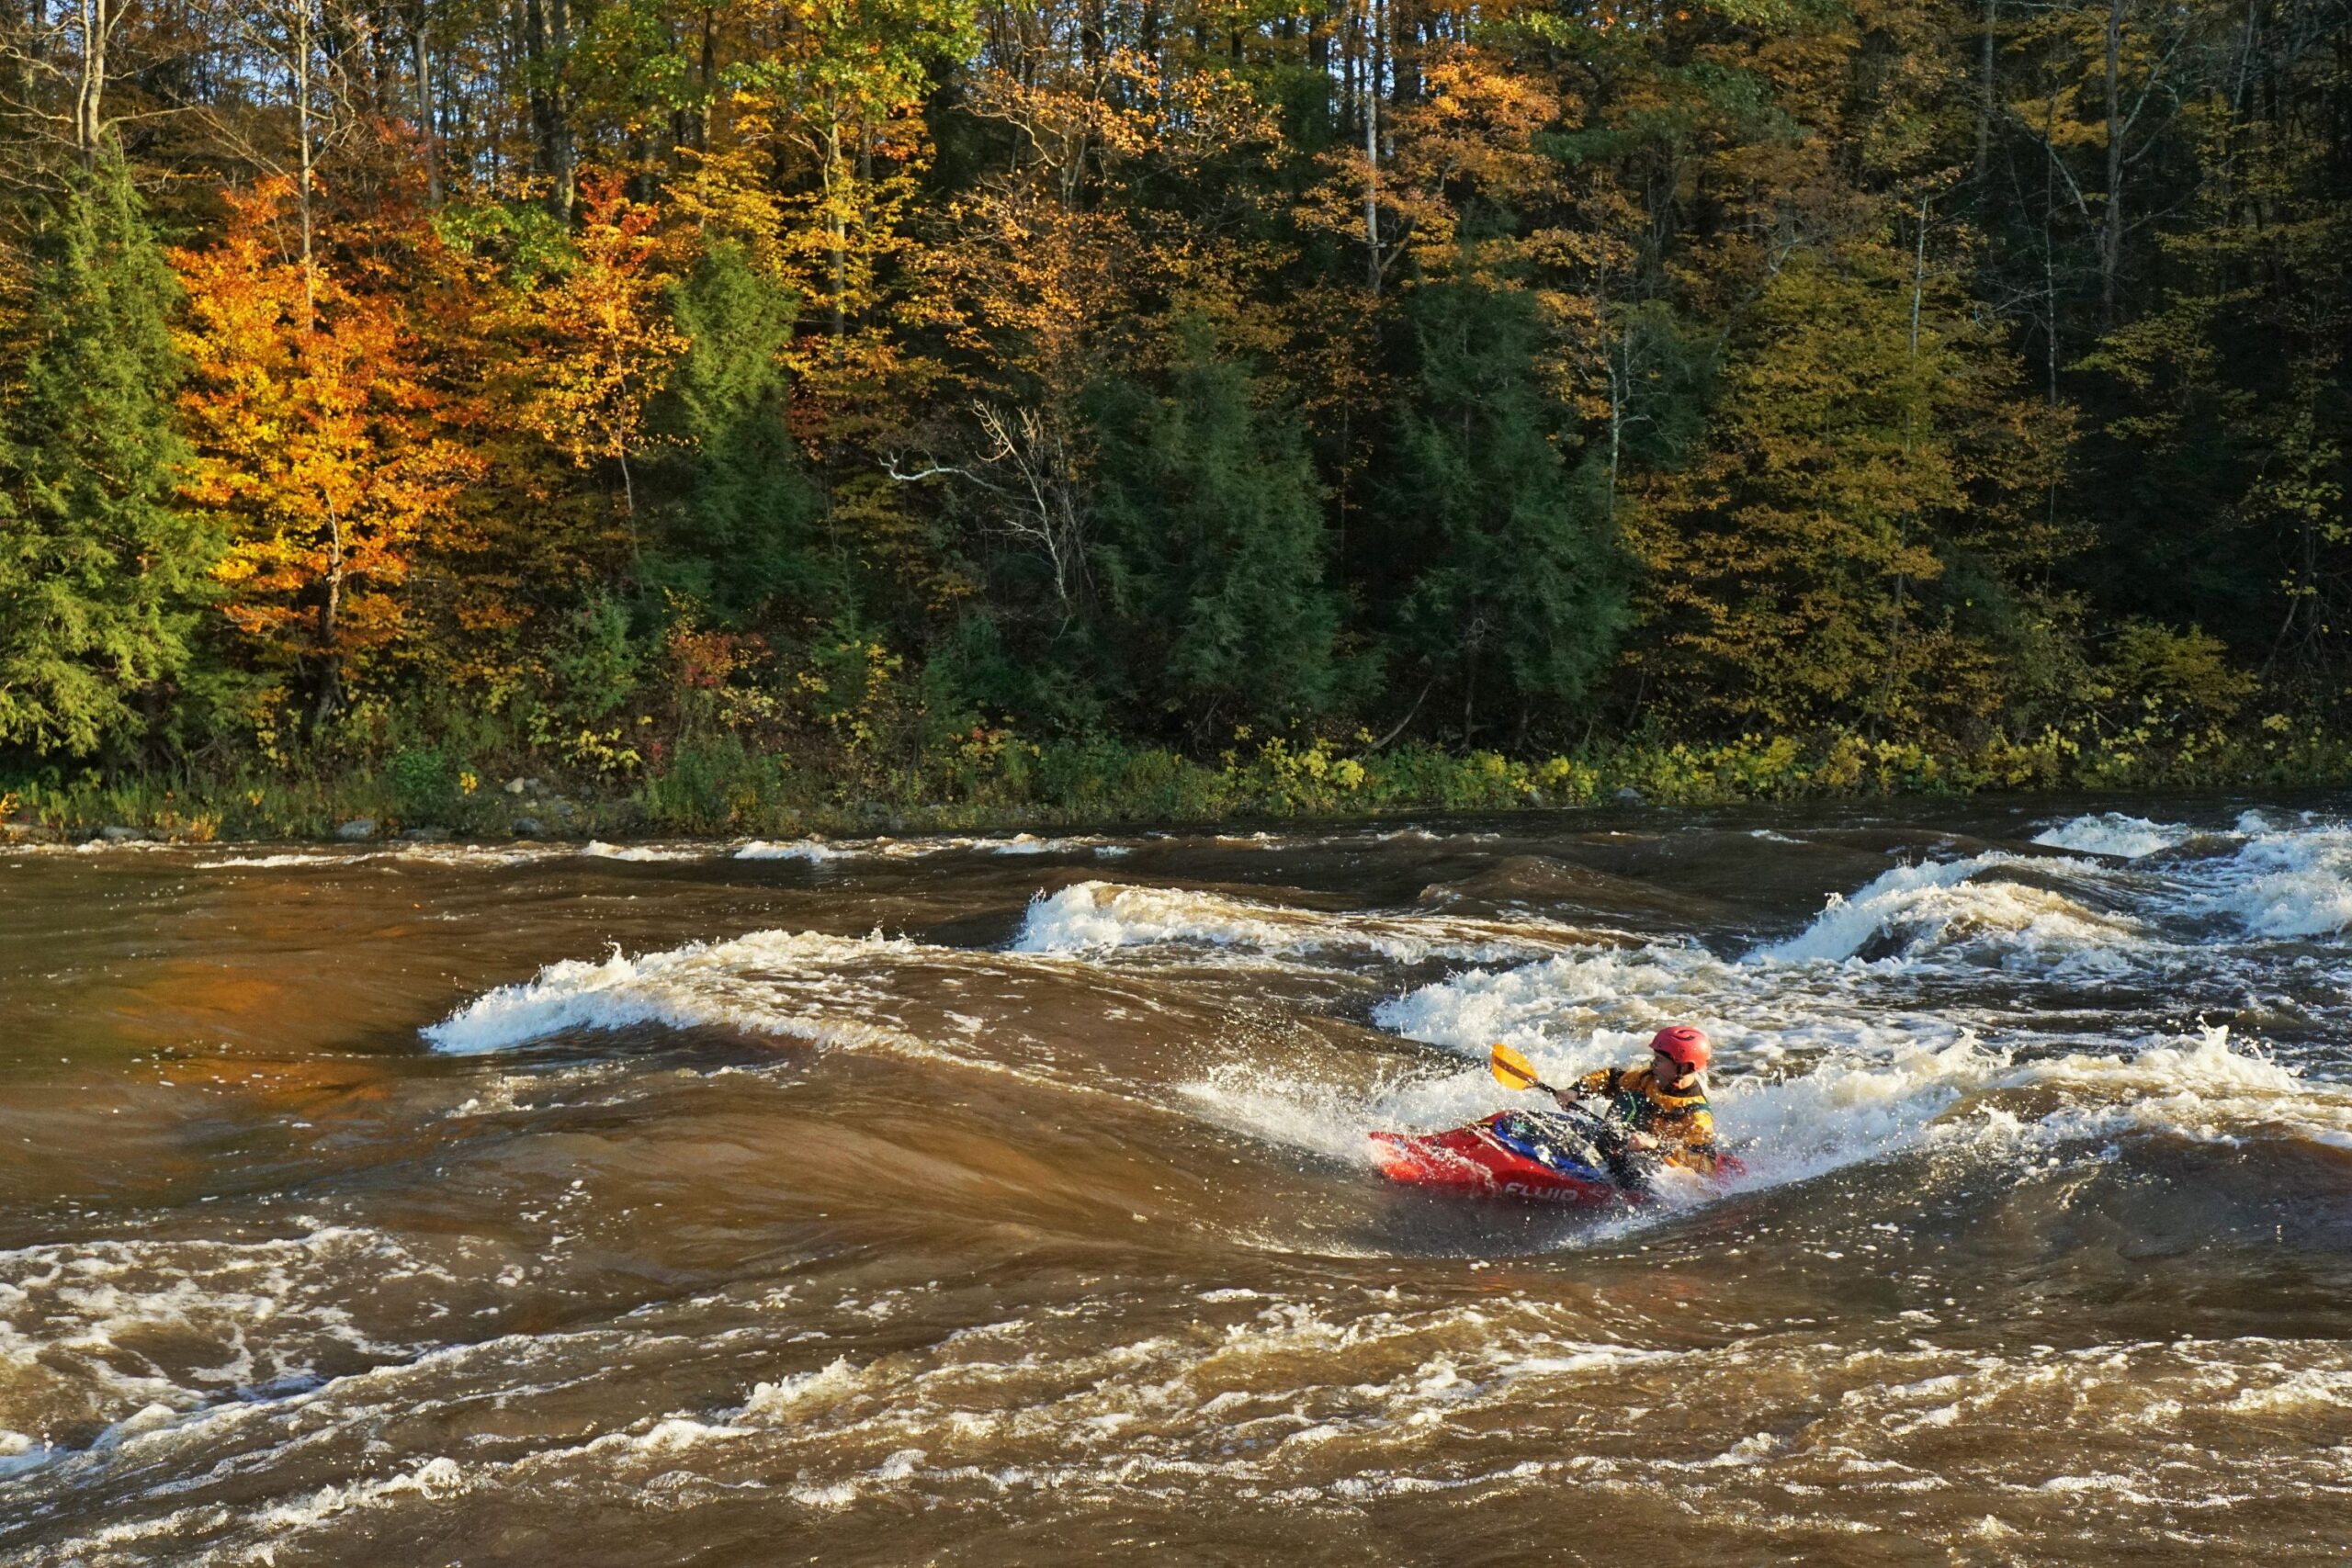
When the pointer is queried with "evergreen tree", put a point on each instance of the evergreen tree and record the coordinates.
(1868, 443)
(1516, 592)
(1209, 544)
(101, 574)
(740, 530)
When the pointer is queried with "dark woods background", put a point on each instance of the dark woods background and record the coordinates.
(948, 399)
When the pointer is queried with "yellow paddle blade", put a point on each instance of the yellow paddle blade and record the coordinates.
(1512, 1070)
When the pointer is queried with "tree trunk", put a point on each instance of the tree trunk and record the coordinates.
(89, 102)
(330, 613)
(837, 229)
(2110, 250)
(1984, 93)
(709, 79)
(545, 44)
(302, 149)
(1371, 39)
(427, 130)
(28, 59)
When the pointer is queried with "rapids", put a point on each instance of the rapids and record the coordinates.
(1007, 1199)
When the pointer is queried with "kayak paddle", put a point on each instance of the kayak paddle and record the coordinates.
(1513, 1070)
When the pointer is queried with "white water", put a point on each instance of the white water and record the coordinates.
(785, 983)
(827, 851)
(1100, 918)
(2026, 1266)
(2113, 833)
(1820, 1064)
(1819, 1061)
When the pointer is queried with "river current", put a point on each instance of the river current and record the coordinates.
(1008, 1200)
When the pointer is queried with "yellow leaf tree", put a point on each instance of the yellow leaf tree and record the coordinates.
(316, 449)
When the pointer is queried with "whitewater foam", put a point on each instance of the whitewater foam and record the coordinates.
(2288, 883)
(1102, 917)
(134, 1334)
(2287, 878)
(1943, 903)
(596, 849)
(826, 851)
(2113, 833)
(816, 851)
(1812, 1074)
(768, 982)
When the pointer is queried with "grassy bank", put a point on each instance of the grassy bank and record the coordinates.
(989, 780)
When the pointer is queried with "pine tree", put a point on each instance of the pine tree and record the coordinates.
(101, 574)
(1517, 590)
(739, 526)
(1209, 544)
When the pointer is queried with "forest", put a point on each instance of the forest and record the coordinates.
(751, 411)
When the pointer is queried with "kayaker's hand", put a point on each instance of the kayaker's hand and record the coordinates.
(1644, 1140)
(1568, 1098)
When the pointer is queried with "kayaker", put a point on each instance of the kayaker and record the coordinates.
(1664, 1105)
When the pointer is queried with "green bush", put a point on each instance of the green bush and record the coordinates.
(424, 787)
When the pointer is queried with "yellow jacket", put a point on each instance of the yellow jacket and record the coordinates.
(1683, 1126)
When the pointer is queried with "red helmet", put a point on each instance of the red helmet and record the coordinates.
(1687, 1043)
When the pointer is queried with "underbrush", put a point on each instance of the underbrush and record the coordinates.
(725, 786)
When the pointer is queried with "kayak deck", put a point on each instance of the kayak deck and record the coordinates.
(1481, 1158)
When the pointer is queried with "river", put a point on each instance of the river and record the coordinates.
(1009, 1200)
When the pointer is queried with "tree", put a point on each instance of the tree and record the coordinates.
(601, 339)
(1516, 592)
(316, 450)
(1209, 544)
(739, 529)
(102, 574)
(1860, 447)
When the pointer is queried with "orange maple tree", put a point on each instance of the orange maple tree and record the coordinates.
(601, 336)
(315, 447)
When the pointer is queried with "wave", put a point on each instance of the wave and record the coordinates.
(771, 982)
(596, 849)
(2113, 833)
(2289, 882)
(2206, 1089)
(816, 851)
(825, 852)
(2285, 879)
(115, 1338)
(1100, 917)
(1914, 910)
(1825, 1056)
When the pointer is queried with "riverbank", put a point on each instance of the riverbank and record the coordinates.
(998, 783)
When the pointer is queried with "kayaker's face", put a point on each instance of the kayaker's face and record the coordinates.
(1666, 1070)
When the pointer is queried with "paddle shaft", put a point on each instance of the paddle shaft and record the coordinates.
(1527, 1079)
(1506, 1063)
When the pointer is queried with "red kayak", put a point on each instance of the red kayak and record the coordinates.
(1509, 1155)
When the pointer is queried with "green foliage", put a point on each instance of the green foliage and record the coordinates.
(101, 573)
(1514, 590)
(922, 410)
(1210, 544)
(1865, 443)
(423, 783)
(2181, 676)
(738, 531)
(523, 239)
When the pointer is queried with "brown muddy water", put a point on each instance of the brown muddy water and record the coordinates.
(1008, 1201)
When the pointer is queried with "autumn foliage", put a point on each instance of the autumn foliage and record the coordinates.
(642, 389)
(316, 449)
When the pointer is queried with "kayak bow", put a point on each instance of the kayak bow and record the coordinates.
(1514, 1154)
(1494, 1157)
